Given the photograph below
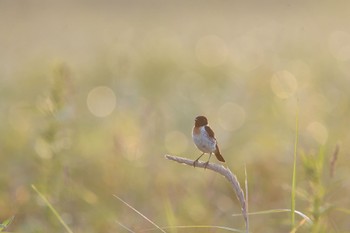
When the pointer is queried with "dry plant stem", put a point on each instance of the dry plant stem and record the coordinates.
(223, 171)
(333, 160)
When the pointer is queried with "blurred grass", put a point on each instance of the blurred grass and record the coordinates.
(53, 210)
(239, 64)
(6, 223)
(294, 167)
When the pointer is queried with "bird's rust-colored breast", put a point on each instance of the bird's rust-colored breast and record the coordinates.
(196, 131)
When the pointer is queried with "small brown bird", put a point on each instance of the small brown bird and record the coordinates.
(203, 137)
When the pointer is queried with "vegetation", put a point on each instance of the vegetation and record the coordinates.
(93, 96)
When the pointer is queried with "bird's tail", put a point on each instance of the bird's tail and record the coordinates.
(218, 154)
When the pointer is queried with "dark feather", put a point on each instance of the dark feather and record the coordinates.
(218, 154)
(209, 131)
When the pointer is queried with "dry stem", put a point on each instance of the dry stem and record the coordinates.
(226, 172)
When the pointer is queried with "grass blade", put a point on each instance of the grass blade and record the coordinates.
(139, 213)
(199, 226)
(53, 210)
(6, 223)
(294, 168)
(125, 227)
(304, 216)
(246, 196)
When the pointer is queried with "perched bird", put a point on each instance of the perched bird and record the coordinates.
(203, 137)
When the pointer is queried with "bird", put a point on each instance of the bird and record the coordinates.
(204, 139)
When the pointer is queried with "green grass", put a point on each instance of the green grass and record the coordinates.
(138, 212)
(52, 209)
(157, 64)
(294, 168)
(6, 223)
(314, 167)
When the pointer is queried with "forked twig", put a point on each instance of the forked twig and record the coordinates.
(226, 172)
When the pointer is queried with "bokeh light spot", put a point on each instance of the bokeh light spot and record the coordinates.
(90, 197)
(246, 53)
(176, 142)
(339, 45)
(101, 101)
(231, 116)
(43, 149)
(318, 132)
(283, 84)
(211, 51)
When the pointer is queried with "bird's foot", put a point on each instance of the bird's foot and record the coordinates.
(206, 164)
(194, 163)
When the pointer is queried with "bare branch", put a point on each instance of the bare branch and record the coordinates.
(226, 172)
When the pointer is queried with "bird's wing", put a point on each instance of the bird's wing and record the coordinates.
(209, 131)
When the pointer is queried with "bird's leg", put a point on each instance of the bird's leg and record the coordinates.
(194, 163)
(206, 164)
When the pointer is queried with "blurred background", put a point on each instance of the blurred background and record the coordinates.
(95, 93)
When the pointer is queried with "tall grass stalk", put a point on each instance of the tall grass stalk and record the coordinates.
(224, 171)
(246, 196)
(150, 221)
(53, 210)
(197, 227)
(314, 166)
(6, 223)
(274, 211)
(125, 227)
(294, 168)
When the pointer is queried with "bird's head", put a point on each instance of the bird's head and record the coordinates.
(200, 121)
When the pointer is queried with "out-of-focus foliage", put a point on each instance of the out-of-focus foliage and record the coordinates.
(94, 94)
